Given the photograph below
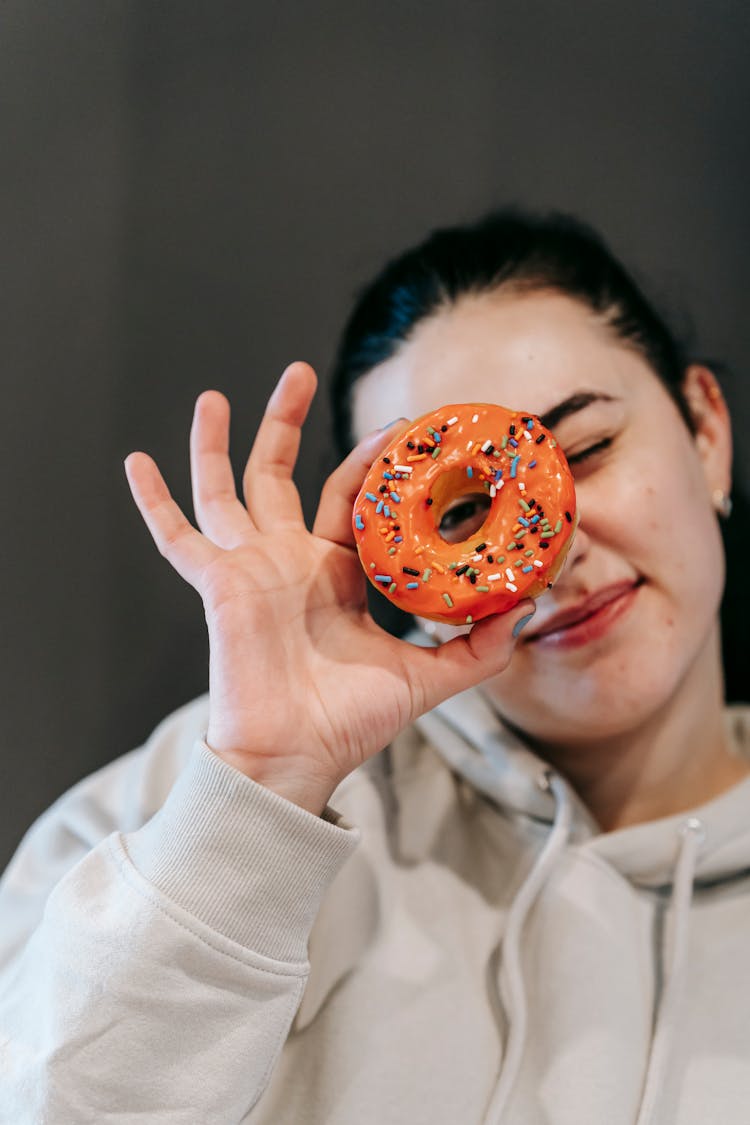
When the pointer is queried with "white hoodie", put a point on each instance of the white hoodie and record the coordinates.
(478, 951)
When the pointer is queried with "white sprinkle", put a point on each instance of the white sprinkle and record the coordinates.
(500, 484)
(493, 490)
(527, 435)
(521, 486)
(509, 586)
(493, 577)
(452, 421)
(509, 573)
(469, 445)
(537, 562)
(476, 558)
(475, 418)
(403, 468)
(486, 445)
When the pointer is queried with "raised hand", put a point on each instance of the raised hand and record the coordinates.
(303, 685)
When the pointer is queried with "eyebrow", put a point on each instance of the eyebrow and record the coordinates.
(572, 405)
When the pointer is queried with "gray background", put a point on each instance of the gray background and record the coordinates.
(193, 193)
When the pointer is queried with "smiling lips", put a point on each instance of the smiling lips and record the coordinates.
(587, 619)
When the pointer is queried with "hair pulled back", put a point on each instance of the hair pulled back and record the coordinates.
(523, 251)
(508, 249)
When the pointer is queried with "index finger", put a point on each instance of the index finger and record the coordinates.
(333, 520)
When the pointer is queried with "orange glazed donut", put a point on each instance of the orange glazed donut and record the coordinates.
(453, 452)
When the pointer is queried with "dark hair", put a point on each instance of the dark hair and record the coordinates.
(512, 249)
(525, 251)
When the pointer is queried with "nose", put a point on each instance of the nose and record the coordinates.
(579, 548)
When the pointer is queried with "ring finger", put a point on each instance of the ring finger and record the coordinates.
(218, 511)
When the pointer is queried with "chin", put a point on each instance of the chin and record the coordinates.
(610, 697)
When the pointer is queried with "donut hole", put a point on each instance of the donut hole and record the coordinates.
(461, 514)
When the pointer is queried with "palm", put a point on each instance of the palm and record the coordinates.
(295, 653)
(299, 671)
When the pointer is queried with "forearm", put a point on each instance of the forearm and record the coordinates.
(185, 940)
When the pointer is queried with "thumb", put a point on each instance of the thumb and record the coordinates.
(468, 660)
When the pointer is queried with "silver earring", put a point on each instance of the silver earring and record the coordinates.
(723, 503)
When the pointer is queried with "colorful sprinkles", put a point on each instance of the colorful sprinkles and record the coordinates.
(497, 460)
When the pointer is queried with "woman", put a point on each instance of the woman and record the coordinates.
(532, 906)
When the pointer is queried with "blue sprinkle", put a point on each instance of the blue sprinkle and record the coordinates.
(359, 523)
(395, 498)
(379, 508)
(513, 442)
(399, 539)
(386, 512)
(437, 438)
(388, 476)
(498, 474)
(530, 425)
(412, 585)
(398, 476)
(383, 578)
(535, 519)
(370, 496)
(532, 464)
(469, 471)
(514, 466)
(526, 569)
(523, 521)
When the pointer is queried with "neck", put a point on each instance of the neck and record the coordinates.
(676, 760)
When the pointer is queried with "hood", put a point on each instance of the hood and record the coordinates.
(475, 743)
(697, 847)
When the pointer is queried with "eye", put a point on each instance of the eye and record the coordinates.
(464, 518)
(578, 458)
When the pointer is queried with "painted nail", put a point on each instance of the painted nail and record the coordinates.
(388, 425)
(521, 623)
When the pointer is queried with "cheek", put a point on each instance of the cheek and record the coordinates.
(652, 510)
(666, 531)
(683, 541)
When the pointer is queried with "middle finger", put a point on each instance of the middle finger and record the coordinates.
(270, 492)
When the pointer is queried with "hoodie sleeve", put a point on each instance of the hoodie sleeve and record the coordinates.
(151, 965)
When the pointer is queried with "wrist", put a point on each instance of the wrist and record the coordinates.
(297, 786)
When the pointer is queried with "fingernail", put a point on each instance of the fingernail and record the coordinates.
(521, 623)
(371, 437)
(393, 423)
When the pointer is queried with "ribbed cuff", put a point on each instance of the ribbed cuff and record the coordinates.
(244, 860)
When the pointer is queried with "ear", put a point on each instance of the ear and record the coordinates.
(713, 436)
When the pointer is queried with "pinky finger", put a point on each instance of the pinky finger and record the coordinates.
(177, 540)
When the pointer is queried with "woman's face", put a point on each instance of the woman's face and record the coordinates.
(647, 548)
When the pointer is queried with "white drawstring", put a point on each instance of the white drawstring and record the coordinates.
(675, 946)
(511, 960)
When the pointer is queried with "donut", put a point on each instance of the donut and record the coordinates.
(508, 463)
